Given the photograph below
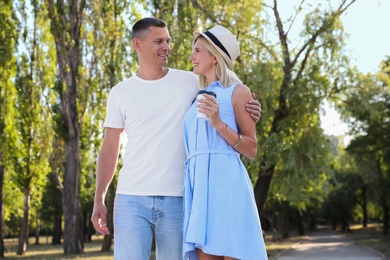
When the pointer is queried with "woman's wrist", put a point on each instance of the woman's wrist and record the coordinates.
(221, 128)
(226, 130)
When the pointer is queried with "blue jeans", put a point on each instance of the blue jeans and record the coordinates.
(136, 218)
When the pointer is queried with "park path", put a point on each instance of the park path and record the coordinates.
(327, 245)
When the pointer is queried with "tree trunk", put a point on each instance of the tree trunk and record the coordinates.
(57, 230)
(385, 209)
(261, 188)
(88, 228)
(311, 220)
(66, 20)
(383, 198)
(301, 226)
(266, 172)
(37, 227)
(2, 231)
(364, 206)
(284, 220)
(334, 224)
(23, 237)
(73, 235)
(275, 228)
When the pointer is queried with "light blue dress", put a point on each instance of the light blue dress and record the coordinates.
(220, 213)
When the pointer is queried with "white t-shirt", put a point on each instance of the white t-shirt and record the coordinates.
(152, 114)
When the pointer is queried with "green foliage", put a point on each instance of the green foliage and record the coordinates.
(305, 165)
(28, 130)
(339, 205)
(8, 132)
(8, 39)
(341, 201)
(368, 108)
(291, 140)
(51, 200)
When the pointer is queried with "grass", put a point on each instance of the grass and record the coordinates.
(370, 237)
(45, 250)
(275, 248)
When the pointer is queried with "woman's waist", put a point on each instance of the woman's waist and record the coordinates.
(192, 154)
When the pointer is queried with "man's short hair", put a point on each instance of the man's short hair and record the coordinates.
(144, 24)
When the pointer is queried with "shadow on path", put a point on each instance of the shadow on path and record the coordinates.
(327, 245)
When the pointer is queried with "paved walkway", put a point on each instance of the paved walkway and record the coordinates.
(328, 245)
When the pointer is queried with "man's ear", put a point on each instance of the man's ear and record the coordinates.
(136, 43)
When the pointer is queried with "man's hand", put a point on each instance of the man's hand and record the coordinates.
(98, 219)
(254, 108)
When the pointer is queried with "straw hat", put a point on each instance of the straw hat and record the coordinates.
(224, 41)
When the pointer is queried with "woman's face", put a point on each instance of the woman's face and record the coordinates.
(202, 60)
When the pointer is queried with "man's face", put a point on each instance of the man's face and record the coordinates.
(154, 47)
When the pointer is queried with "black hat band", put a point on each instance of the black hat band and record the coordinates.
(217, 42)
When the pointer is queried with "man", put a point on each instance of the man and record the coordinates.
(150, 107)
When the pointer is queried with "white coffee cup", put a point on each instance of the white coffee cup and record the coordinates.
(200, 96)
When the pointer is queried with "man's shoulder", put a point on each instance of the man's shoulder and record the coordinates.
(125, 82)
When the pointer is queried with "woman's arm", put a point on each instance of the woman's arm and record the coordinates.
(246, 125)
(245, 140)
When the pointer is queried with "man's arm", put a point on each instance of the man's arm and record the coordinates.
(253, 107)
(106, 165)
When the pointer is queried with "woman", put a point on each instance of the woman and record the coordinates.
(220, 215)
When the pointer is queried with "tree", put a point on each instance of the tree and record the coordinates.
(35, 66)
(66, 20)
(51, 208)
(302, 178)
(340, 202)
(303, 84)
(368, 108)
(8, 38)
(107, 37)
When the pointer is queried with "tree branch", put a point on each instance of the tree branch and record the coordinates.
(282, 35)
(323, 28)
(208, 14)
(295, 16)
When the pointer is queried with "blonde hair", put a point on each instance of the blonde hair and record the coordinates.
(224, 74)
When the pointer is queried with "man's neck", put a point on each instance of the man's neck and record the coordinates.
(152, 74)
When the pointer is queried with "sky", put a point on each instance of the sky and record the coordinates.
(367, 24)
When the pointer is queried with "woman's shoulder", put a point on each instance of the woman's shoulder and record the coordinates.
(241, 90)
